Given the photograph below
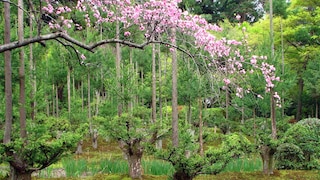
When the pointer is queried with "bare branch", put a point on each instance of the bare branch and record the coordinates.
(73, 48)
(51, 36)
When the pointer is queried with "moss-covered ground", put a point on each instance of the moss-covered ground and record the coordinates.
(110, 150)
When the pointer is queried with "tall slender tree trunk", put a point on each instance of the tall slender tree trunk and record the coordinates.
(159, 142)
(82, 94)
(272, 101)
(227, 102)
(22, 99)
(200, 126)
(242, 113)
(89, 103)
(299, 104)
(118, 68)
(8, 76)
(98, 102)
(33, 101)
(273, 116)
(282, 66)
(154, 90)
(266, 151)
(131, 69)
(69, 90)
(57, 101)
(175, 124)
(317, 108)
(53, 100)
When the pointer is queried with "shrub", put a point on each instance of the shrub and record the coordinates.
(289, 156)
(305, 135)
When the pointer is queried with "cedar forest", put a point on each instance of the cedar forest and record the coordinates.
(193, 85)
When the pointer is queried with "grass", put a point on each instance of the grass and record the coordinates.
(244, 165)
(83, 167)
(107, 163)
(157, 167)
(278, 175)
(74, 167)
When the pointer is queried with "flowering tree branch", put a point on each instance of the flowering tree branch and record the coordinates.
(66, 37)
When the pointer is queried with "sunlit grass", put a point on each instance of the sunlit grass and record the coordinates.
(244, 165)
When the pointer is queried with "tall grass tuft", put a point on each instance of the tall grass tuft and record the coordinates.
(74, 168)
(114, 166)
(244, 165)
(157, 167)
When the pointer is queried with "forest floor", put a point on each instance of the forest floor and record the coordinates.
(110, 150)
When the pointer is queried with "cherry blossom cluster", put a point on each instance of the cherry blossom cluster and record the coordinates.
(154, 18)
(236, 63)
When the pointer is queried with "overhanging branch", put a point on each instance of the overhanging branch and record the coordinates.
(66, 37)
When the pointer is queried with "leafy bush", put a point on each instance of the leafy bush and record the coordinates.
(289, 156)
(214, 117)
(305, 134)
(49, 139)
(188, 163)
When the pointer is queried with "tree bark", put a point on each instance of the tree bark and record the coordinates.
(98, 102)
(22, 175)
(227, 103)
(133, 151)
(154, 90)
(57, 101)
(89, 103)
(118, 68)
(200, 127)
(69, 90)
(95, 139)
(22, 95)
(79, 147)
(135, 167)
(299, 104)
(8, 76)
(266, 154)
(317, 108)
(175, 133)
(159, 142)
(33, 101)
(181, 176)
(273, 116)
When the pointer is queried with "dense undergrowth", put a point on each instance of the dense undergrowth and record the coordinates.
(107, 163)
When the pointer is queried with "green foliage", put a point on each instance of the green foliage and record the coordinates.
(136, 126)
(289, 156)
(48, 140)
(214, 117)
(188, 163)
(220, 10)
(305, 135)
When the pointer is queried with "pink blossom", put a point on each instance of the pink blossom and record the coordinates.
(238, 17)
(83, 57)
(127, 33)
(226, 81)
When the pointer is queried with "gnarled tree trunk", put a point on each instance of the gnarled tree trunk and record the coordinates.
(22, 175)
(181, 176)
(135, 167)
(266, 154)
(134, 151)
